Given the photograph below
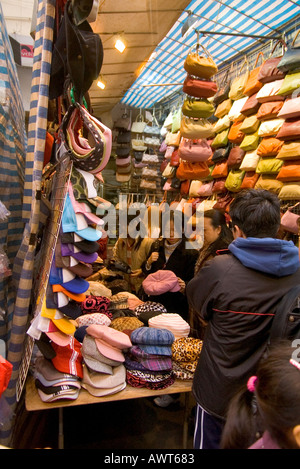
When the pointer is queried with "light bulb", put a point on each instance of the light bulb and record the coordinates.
(101, 83)
(119, 45)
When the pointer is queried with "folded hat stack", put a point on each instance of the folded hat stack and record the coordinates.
(53, 385)
(149, 361)
(185, 355)
(102, 350)
(171, 321)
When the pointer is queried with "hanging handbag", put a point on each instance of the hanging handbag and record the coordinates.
(150, 158)
(149, 173)
(250, 161)
(194, 188)
(220, 154)
(220, 140)
(270, 128)
(173, 139)
(185, 187)
(194, 150)
(250, 179)
(148, 184)
(197, 108)
(291, 83)
(290, 130)
(289, 171)
(235, 135)
(223, 108)
(289, 150)
(200, 65)
(251, 106)
(268, 71)
(269, 110)
(269, 166)
(250, 125)
(124, 136)
(269, 146)
(122, 151)
(222, 124)
(196, 128)
(206, 189)
(223, 89)
(138, 144)
(123, 161)
(250, 142)
(238, 83)
(223, 200)
(290, 61)
(236, 108)
(138, 125)
(176, 121)
(169, 171)
(234, 180)
(220, 170)
(189, 170)
(124, 122)
(269, 92)
(289, 220)
(235, 157)
(290, 108)
(253, 85)
(169, 152)
(219, 186)
(199, 88)
(175, 158)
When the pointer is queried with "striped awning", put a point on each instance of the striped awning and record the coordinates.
(163, 74)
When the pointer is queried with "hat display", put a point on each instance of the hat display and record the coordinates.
(74, 296)
(104, 381)
(56, 335)
(59, 320)
(185, 355)
(72, 222)
(67, 279)
(69, 250)
(79, 242)
(93, 318)
(110, 342)
(149, 361)
(80, 333)
(126, 323)
(161, 282)
(171, 321)
(91, 351)
(95, 304)
(71, 309)
(68, 358)
(82, 208)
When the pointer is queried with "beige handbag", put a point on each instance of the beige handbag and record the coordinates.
(270, 127)
(238, 84)
(250, 125)
(196, 128)
(250, 161)
(223, 108)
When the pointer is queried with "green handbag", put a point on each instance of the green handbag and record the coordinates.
(290, 83)
(234, 180)
(221, 139)
(197, 108)
(176, 121)
(269, 166)
(250, 142)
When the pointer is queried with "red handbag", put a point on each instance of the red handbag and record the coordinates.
(199, 88)
(175, 158)
(269, 71)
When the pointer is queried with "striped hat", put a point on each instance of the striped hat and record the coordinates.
(171, 321)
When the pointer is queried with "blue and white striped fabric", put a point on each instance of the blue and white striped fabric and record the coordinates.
(262, 18)
(25, 207)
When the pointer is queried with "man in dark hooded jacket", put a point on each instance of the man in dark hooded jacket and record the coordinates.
(236, 293)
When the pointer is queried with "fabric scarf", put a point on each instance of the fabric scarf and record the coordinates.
(170, 248)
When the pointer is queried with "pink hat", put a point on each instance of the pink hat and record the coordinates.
(110, 342)
(160, 282)
(83, 208)
(56, 335)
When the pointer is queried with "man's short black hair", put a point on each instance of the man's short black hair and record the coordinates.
(256, 213)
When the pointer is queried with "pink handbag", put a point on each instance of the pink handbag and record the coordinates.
(194, 150)
(290, 108)
(289, 220)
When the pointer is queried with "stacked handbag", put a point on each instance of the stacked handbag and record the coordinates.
(145, 142)
(123, 155)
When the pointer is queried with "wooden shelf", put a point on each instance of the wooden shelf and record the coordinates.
(33, 401)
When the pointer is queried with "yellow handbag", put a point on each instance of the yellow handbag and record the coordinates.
(238, 83)
(250, 125)
(196, 128)
(223, 108)
(202, 66)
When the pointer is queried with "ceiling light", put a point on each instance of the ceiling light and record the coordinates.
(120, 44)
(101, 83)
(188, 24)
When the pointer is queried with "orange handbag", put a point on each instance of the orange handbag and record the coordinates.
(253, 85)
(220, 170)
(269, 110)
(250, 179)
(269, 146)
(289, 171)
(235, 135)
(189, 170)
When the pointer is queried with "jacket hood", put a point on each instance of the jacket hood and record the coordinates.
(269, 255)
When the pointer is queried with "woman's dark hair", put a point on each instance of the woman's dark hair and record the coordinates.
(276, 395)
(218, 219)
(256, 212)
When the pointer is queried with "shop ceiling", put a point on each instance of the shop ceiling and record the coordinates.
(151, 67)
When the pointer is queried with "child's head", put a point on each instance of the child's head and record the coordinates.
(272, 403)
(277, 391)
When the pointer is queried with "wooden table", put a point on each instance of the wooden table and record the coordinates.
(33, 401)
